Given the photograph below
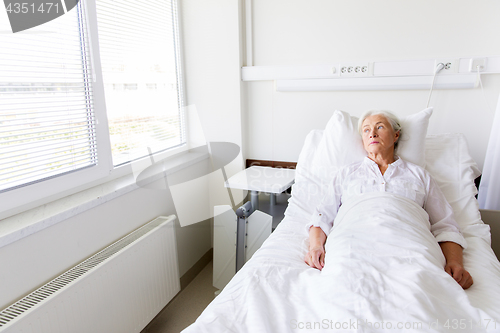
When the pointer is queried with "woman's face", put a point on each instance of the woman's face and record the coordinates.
(378, 135)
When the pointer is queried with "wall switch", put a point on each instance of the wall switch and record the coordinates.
(477, 65)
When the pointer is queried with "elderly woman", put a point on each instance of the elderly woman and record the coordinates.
(380, 131)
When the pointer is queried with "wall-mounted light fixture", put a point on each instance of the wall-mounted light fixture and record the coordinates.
(379, 83)
(457, 73)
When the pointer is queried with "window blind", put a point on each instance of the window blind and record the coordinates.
(47, 125)
(139, 57)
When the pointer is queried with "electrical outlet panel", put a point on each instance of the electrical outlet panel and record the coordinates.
(355, 69)
(450, 66)
(477, 65)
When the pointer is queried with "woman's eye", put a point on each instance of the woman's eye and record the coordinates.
(380, 127)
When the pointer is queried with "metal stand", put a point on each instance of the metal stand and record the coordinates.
(242, 214)
(272, 199)
(254, 199)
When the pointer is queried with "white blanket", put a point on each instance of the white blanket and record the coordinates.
(383, 272)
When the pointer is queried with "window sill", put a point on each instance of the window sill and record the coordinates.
(31, 221)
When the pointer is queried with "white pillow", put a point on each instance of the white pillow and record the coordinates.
(304, 168)
(322, 155)
(341, 145)
(452, 167)
(411, 146)
(307, 184)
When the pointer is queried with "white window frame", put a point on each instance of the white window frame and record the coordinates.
(27, 197)
(126, 169)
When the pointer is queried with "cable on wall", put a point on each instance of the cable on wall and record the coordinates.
(478, 68)
(439, 67)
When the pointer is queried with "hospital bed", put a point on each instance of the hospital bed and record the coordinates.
(381, 275)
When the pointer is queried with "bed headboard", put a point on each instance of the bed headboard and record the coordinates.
(273, 164)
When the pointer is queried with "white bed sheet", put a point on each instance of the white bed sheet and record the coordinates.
(277, 292)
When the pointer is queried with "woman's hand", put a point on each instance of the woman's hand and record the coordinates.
(458, 272)
(316, 255)
(454, 264)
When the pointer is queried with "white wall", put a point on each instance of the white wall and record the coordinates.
(36, 259)
(212, 46)
(212, 62)
(298, 32)
(211, 34)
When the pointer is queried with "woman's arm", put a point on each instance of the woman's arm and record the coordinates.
(454, 264)
(443, 224)
(316, 255)
(447, 233)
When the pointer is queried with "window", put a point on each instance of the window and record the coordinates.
(47, 121)
(138, 46)
(57, 94)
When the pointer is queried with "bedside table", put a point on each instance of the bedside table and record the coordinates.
(262, 179)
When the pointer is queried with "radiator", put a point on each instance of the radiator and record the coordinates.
(119, 289)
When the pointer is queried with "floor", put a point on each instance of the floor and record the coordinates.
(183, 310)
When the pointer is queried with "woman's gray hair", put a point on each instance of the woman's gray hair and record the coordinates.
(393, 120)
